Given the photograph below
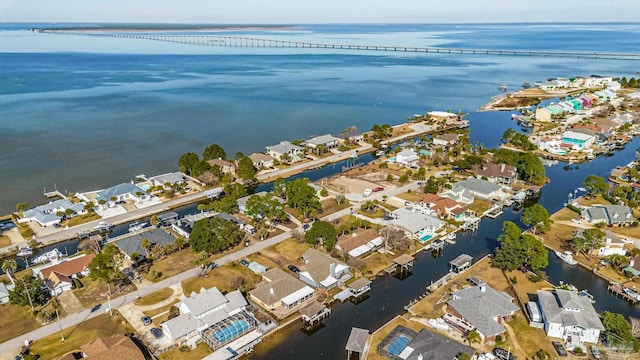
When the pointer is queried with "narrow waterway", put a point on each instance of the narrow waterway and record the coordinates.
(389, 294)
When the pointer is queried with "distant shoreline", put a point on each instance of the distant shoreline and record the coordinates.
(143, 28)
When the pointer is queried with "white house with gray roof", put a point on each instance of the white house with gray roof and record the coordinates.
(323, 271)
(47, 214)
(407, 158)
(328, 141)
(204, 310)
(459, 194)
(168, 179)
(567, 314)
(415, 223)
(608, 214)
(484, 308)
(121, 192)
(294, 152)
(480, 188)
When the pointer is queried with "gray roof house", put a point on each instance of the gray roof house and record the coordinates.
(483, 307)
(285, 147)
(4, 293)
(204, 310)
(322, 270)
(423, 345)
(459, 194)
(415, 222)
(609, 214)
(567, 314)
(46, 214)
(120, 192)
(167, 179)
(328, 141)
(480, 188)
(132, 244)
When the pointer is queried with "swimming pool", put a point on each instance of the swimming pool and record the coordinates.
(425, 238)
(391, 159)
(231, 331)
(145, 187)
(398, 344)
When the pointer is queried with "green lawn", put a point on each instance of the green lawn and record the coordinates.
(77, 220)
(155, 298)
(222, 278)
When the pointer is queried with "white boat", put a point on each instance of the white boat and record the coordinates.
(566, 286)
(136, 226)
(438, 324)
(50, 255)
(586, 294)
(25, 251)
(632, 293)
(567, 257)
(103, 225)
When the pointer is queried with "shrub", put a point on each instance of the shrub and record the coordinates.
(514, 280)
(324, 192)
(573, 208)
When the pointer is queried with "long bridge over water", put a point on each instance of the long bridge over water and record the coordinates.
(253, 42)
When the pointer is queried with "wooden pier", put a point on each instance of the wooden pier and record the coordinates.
(472, 224)
(619, 291)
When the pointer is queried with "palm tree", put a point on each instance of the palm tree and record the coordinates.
(473, 337)
(154, 220)
(10, 266)
(146, 245)
(56, 305)
(262, 233)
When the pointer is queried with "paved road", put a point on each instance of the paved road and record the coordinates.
(74, 319)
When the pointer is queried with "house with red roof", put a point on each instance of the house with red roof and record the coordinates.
(59, 277)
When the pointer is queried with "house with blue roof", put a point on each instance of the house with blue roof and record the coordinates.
(122, 192)
(52, 212)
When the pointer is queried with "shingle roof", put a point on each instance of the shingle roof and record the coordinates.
(357, 340)
(120, 189)
(119, 347)
(132, 244)
(279, 285)
(318, 264)
(478, 186)
(495, 170)
(205, 300)
(47, 213)
(69, 267)
(168, 178)
(322, 139)
(358, 238)
(257, 157)
(284, 147)
(555, 306)
(413, 221)
(480, 307)
(434, 346)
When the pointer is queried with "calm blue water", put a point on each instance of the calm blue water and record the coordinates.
(85, 113)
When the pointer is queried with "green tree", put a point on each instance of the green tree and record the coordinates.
(200, 167)
(146, 245)
(617, 325)
(153, 220)
(463, 356)
(22, 206)
(369, 206)
(519, 251)
(10, 266)
(214, 151)
(538, 217)
(187, 161)
(29, 290)
(262, 233)
(278, 187)
(89, 206)
(617, 260)
(246, 171)
(432, 185)
(106, 265)
(473, 337)
(595, 185)
(214, 235)
(591, 239)
(322, 232)
(302, 197)
(508, 135)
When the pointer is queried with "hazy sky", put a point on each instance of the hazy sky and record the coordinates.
(318, 11)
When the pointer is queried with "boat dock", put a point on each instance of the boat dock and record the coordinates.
(619, 291)
(494, 211)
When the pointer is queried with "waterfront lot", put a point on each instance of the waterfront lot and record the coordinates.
(226, 278)
(171, 265)
(199, 352)
(385, 330)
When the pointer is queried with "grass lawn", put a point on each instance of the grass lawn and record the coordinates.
(4, 241)
(330, 206)
(479, 206)
(77, 220)
(384, 331)
(377, 262)
(25, 230)
(221, 278)
(201, 351)
(155, 298)
(16, 320)
(565, 214)
(93, 292)
(290, 249)
(160, 310)
(378, 214)
(173, 264)
(530, 339)
(633, 232)
(51, 347)
(414, 196)
(594, 200)
(401, 130)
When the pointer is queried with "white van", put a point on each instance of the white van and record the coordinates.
(367, 192)
(250, 229)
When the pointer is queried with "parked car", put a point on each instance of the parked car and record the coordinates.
(379, 188)
(596, 352)
(503, 354)
(250, 229)
(293, 268)
(306, 227)
(156, 332)
(146, 320)
(576, 220)
(626, 241)
(559, 348)
(244, 262)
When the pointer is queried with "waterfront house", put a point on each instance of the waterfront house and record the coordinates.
(360, 242)
(480, 188)
(416, 224)
(132, 244)
(261, 161)
(119, 346)
(442, 116)
(608, 214)
(168, 218)
(52, 212)
(327, 141)
(484, 308)
(566, 107)
(459, 194)
(549, 113)
(242, 202)
(285, 150)
(4, 293)
(281, 293)
(207, 313)
(446, 140)
(241, 224)
(498, 173)
(183, 227)
(566, 314)
(442, 205)
(408, 158)
(226, 167)
(633, 268)
(323, 271)
(108, 198)
(613, 245)
(404, 343)
(167, 180)
(352, 134)
(58, 277)
(578, 140)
